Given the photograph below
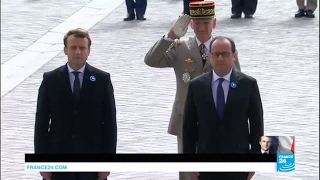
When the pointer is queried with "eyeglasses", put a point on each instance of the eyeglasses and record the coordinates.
(223, 54)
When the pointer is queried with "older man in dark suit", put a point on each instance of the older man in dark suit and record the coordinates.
(76, 110)
(218, 107)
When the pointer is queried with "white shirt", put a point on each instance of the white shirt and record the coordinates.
(72, 78)
(225, 85)
(263, 151)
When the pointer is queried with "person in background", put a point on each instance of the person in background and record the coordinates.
(136, 9)
(306, 8)
(223, 111)
(248, 7)
(76, 110)
(186, 6)
(188, 58)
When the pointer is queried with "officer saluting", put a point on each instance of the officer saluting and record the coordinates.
(189, 58)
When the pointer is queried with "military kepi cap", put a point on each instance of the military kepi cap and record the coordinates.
(202, 9)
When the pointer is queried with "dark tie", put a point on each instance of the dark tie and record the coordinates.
(76, 85)
(203, 54)
(220, 99)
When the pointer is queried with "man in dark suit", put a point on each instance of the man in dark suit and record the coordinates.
(266, 145)
(248, 7)
(218, 108)
(186, 9)
(76, 110)
(136, 9)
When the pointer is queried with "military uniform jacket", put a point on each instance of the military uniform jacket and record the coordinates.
(184, 56)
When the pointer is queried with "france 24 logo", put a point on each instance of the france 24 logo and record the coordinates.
(285, 163)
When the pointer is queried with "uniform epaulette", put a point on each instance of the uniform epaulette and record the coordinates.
(175, 42)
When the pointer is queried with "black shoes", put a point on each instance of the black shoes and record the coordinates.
(302, 13)
(141, 17)
(237, 16)
(309, 14)
(248, 16)
(132, 17)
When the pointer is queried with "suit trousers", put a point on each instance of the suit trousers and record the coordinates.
(139, 6)
(186, 3)
(183, 175)
(311, 4)
(245, 6)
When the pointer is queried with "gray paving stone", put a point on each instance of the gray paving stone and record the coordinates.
(25, 21)
(278, 50)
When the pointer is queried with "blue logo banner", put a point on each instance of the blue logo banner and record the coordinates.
(286, 163)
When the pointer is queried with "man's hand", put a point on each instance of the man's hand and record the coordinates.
(251, 174)
(103, 175)
(46, 175)
(180, 27)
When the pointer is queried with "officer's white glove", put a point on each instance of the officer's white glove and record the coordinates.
(180, 27)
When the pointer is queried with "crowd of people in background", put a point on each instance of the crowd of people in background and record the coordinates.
(136, 9)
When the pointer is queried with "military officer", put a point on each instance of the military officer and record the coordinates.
(189, 58)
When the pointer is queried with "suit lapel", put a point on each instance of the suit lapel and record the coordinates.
(66, 86)
(232, 91)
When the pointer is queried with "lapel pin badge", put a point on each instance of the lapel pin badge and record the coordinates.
(92, 78)
(233, 85)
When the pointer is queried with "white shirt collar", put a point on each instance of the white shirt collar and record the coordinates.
(207, 43)
(226, 77)
(81, 70)
(263, 151)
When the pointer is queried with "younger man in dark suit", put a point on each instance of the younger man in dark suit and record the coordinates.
(218, 107)
(266, 145)
(76, 110)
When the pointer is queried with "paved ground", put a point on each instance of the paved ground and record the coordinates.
(280, 51)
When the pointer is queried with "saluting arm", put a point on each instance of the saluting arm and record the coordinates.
(41, 133)
(161, 55)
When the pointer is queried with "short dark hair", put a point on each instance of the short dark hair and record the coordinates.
(78, 32)
(233, 45)
(270, 137)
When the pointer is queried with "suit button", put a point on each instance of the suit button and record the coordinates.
(75, 112)
(73, 136)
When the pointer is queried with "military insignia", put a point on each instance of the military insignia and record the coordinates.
(178, 41)
(172, 45)
(189, 61)
(186, 77)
